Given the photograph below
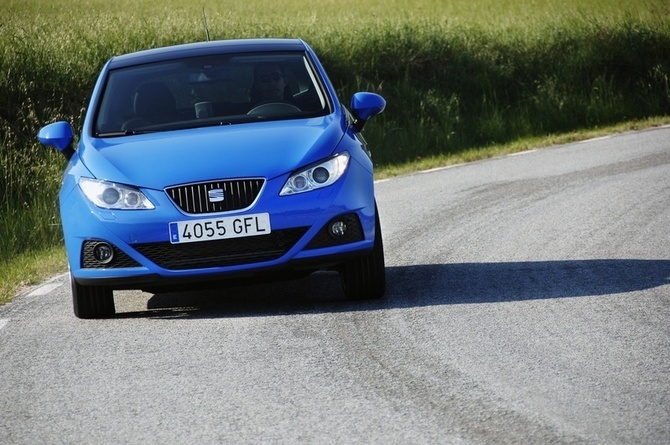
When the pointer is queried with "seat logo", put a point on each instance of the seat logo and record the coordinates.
(215, 195)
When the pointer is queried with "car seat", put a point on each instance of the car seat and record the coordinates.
(154, 102)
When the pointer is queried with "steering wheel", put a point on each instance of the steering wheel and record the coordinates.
(274, 108)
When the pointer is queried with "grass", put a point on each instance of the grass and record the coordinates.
(29, 268)
(463, 79)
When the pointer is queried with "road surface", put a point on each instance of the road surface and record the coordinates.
(528, 302)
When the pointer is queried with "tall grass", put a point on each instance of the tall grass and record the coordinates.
(455, 88)
(456, 74)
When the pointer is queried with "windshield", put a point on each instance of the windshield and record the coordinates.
(211, 90)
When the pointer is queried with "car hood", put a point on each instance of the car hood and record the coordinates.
(262, 149)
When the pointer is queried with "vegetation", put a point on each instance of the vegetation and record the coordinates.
(459, 76)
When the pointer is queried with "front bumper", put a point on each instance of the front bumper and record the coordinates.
(145, 259)
(155, 283)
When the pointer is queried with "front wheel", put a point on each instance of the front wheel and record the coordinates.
(364, 278)
(92, 301)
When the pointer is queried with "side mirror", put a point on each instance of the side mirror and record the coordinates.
(364, 106)
(59, 135)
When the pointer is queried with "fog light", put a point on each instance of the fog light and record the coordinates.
(338, 229)
(103, 252)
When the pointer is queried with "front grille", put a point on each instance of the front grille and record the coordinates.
(120, 258)
(216, 196)
(227, 252)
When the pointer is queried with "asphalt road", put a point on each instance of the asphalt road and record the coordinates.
(528, 302)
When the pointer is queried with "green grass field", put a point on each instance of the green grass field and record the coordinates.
(459, 76)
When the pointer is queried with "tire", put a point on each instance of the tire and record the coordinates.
(364, 278)
(92, 301)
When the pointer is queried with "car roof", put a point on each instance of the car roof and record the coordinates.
(206, 48)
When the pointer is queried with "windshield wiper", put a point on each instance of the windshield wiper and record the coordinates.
(113, 134)
(197, 123)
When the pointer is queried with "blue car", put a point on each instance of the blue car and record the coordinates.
(203, 163)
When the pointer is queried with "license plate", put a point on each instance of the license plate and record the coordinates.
(219, 228)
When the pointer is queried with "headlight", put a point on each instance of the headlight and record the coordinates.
(317, 176)
(109, 195)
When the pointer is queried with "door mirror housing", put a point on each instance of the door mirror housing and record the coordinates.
(59, 135)
(364, 106)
